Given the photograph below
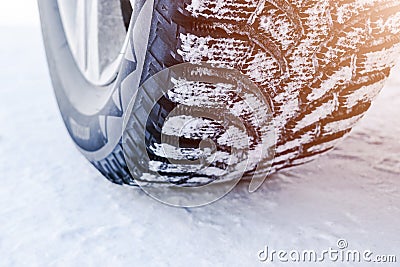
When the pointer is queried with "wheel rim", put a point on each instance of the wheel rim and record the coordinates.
(96, 32)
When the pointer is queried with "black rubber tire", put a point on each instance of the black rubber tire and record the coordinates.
(324, 62)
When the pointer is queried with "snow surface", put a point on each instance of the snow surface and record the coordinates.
(57, 210)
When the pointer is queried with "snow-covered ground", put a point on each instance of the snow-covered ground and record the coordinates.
(57, 210)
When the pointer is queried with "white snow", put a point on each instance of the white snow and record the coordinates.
(57, 210)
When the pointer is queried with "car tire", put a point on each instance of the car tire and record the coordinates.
(320, 62)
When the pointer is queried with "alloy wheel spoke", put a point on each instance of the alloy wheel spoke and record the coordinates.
(95, 31)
